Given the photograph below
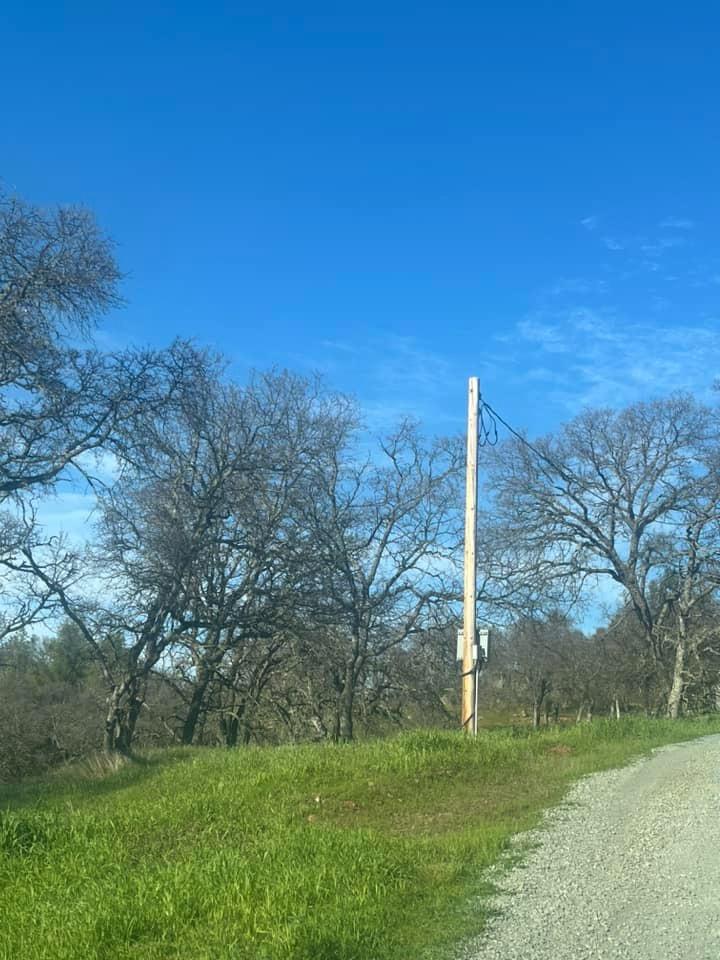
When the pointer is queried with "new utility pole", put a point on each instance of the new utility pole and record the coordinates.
(469, 669)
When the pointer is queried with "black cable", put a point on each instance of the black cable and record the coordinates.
(495, 418)
(487, 426)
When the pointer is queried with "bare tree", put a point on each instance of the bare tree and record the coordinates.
(385, 532)
(267, 440)
(628, 495)
(199, 544)
(57, 275)
(61, 400)
(537, 657)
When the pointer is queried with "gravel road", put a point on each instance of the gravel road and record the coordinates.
(628, 868)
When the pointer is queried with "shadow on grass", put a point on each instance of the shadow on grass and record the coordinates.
(89, 778)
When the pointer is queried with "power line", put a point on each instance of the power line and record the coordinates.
(487, 425)
(494, 418)
(489, 419)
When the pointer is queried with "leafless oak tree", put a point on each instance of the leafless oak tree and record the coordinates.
(386, 530)
(632, 495)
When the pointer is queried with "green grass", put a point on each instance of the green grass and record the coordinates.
(366, 852)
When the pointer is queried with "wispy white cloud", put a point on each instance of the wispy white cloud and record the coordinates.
(542, 375)
(590, 223)
(70, 513)
(677, 223)
(659, 303)
(701, 279)
(401, 376)
(548, 336)
(646, 252)
(656, 247)
(603, 598)
(609, 361)
(343, 346)
(577, 286)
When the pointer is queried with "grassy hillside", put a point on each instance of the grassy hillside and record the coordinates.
(363, 852)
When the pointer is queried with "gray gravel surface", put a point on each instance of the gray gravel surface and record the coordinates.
(628, 867)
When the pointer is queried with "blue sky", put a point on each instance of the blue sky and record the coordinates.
(399, 195)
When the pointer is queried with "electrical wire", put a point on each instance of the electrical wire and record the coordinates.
(494, 418)
(487, 425)
(488, 421)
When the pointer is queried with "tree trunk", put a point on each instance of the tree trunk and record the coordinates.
(232, 722)
(346, 714)
(346, 706)
(120, 729)
(678, 682)
(124, 706)
(127, 732)
(536, 714)
(197, 702)
(538, 700)
(231, 727)
(246, 724)
(113, 724)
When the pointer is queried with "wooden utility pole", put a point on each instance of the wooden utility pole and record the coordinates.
(469, 675)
